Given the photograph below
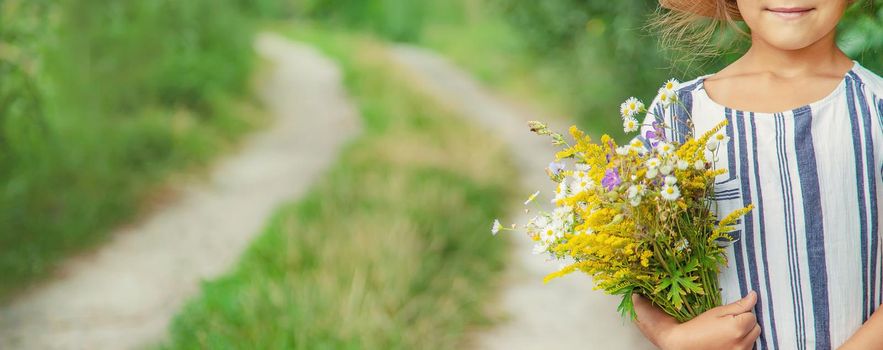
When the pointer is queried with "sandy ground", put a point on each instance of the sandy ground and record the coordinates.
(566, 313)
(124, 295)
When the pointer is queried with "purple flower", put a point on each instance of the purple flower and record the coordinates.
(611, 179)
(652, 138)
(656, 135)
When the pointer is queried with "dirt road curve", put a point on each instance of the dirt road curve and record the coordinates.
(124, 295)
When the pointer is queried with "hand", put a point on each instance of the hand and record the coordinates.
(731, 326)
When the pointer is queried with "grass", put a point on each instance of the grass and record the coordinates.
(390, 250)
(101, 102)
(105, 179)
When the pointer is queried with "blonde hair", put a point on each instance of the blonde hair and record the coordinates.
(694, 30)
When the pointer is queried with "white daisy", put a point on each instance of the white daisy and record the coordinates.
(666, 94)
(622, 150)
(564, 215)
(670, 192)
(666, 169)
(671, 180)
(638, 146)
(632, 192)
(631, 107)
(547, 235)
(665, 148)
(582, 167)
(651, 173)
(721, 138)
(630, 124)
(683, 164)
(561, 191)
(635, 201)
(664, 97)
(699, 165)
(715, 141)
(635, 194)
(653, 163)
(671, 85)
(537, 224)
(580, 186)
(553, 231)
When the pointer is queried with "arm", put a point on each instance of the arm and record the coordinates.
(869, 336)
(730, 326)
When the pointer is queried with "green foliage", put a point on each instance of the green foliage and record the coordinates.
(862, 34)
(99, 99)
(370, 259)
(598, 51)
(398, 20)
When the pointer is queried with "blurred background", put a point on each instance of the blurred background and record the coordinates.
(107, 106)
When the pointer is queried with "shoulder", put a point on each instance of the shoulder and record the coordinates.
(692, 85)
(870, 81)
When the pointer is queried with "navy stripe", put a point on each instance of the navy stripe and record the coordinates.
(872, 190)
(748, 227)
(790, 235)
(762, 236)
(731, 168)
(686, 98)
(733, 196)
(815, 231)
(725, 192)
(860, 192)
(691, 87)
(880, 112)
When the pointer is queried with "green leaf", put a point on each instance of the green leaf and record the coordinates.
(664, 285)
(691, 266)
(674, 294)
(692, 286)
(626, 306)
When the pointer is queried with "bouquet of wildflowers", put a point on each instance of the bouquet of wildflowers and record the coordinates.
(638, 218)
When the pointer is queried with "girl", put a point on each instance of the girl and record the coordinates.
(806, 148)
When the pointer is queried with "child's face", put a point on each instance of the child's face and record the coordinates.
(791, 24)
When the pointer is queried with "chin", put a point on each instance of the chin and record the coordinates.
(790, 43)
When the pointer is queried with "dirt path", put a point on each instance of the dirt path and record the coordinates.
(124, 295)
(566, 313)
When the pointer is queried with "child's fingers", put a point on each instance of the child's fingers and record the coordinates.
(746, 321)
(751, 337)
(739, 306)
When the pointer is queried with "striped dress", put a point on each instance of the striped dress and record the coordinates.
(811, 247)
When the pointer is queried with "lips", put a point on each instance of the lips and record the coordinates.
(790, 12)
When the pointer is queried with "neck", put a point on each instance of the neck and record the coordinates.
(823, 55)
